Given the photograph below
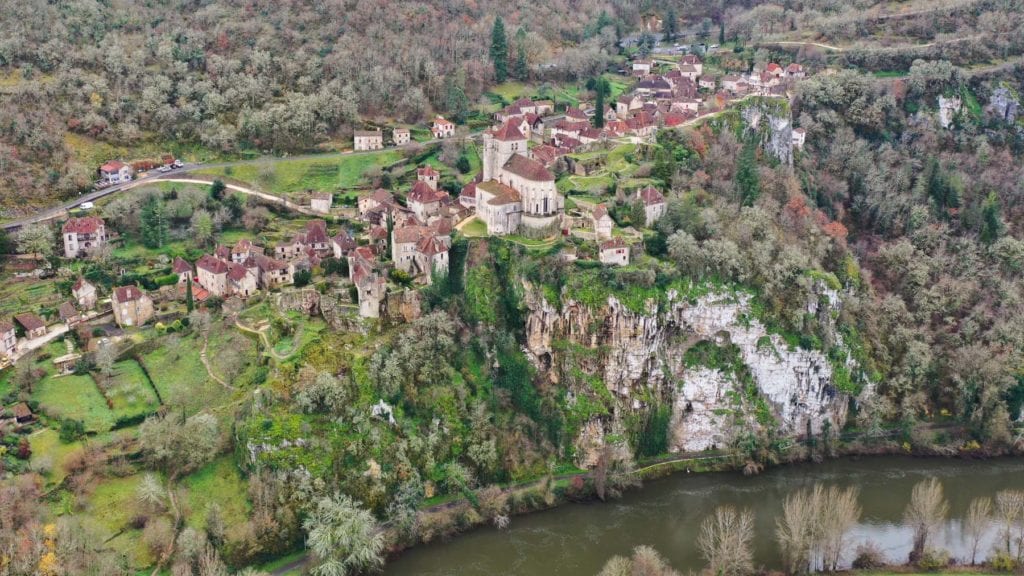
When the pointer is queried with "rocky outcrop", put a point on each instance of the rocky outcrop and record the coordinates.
(948, 109)
(404, 306)
(338, 314)
(1003, 105)
(639, 357)
(772, 120)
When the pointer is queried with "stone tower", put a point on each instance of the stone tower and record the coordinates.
(499, 145)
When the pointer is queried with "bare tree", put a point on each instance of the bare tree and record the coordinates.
(796, 531)
(725, 541)
(926, 510)
(976, 524)
(838, 512)
(813, 527)
(1010, 515)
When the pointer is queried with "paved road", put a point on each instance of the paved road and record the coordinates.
(61, 210)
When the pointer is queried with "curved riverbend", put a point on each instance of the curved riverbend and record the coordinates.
(576, 540)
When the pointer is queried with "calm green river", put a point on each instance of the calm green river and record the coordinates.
(577, 539)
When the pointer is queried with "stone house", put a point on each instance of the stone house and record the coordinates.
(83, 235)
(69, 314)
(132, 307)
(32, 324)
(243, 250)
(692, 60)
(371, 287)
(321, 202)
(272, 273)
(654, 205)
(85, 293)
(401, 136)
(689, 72)
(431, 256)
(707, 82)
(442, 128)
(641, 67)
(22, 413)
(429, 176)
(115, 172)
(795, 71)
(343, 243)
(424, 201)
(183, 269)
(731, 83)
(603, 222)
(8, 339)
(368, 140)
(467, 198)
(614, 252)
(379, 197)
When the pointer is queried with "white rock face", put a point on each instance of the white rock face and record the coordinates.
(641, 356)
(948, 108)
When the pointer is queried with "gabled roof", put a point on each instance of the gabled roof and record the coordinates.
(613, 244)
(430, 246)
(601, 212)
(86, 225)
(128, 293)
(469, 190)
(237, 272)
(211, 264)
(112, 166)
(440, 121)
(316, 232)
(575, 114)
(180, 265)
(650, 196)
(528, 168)
(344, 241)
(22, 410)
(410, 234)
(67, 310)
(508, 131)
(501, 193)
(422, 192)
(368, 134)
(427, 171)
(29, 321)
(6, 327)
(81, 283)
(243, 246)
(687, 69)
(690, 59)
(773, 67)
(222, 252)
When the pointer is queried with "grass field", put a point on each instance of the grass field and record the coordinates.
(27, 295)
(46, 444)
(475, 229)
(286, 177)
(178, 374)
(112, 505)
(232, 356)
(74, 397)
(221, 483)
(129, 391)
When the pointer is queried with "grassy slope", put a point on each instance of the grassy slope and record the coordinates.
(129, 391)
(221, 483)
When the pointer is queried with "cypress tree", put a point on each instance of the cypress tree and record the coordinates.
(154, 222)
(991, 219)
(499, 50)
(668, 26)
(601, 86)
(189, 303)
(747, 179)
(721, 32)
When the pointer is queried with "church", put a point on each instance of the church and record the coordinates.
(517, 194)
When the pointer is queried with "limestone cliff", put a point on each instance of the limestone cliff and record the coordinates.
(771, 118)
(640, 359)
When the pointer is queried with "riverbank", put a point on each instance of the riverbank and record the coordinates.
(489, 507)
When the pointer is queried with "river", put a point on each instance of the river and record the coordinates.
(577, 539)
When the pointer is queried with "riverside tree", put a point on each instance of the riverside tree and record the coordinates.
(343, 537)
(925, 512)
(726, 541)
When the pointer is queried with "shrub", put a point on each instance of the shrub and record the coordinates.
(71, 430)
(933, 560)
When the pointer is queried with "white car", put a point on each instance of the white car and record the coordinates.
(164, 169)
(86, 205)
(178, 164)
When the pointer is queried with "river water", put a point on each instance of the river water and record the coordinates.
(577, 539)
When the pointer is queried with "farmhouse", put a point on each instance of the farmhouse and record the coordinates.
(368, 140)
(115, 172)
(83, 235)
(321, 202)
(614, 252)
(654, 205)
(602, 222)
(85, 293)
(400, 136)
(32, 324)
(183, 269)
(442, 128)
(132, 307)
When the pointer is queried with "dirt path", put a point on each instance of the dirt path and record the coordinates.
(262, 334)
(249, 191)
(206, 363)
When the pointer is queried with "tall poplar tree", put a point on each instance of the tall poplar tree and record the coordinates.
(522, 70)
(499, 50)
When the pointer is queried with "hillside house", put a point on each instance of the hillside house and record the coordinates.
(775, 70)
(83, 235)
(442, 128)
(69, 314)
(271, 272)
(614, 252)
(321, 202)
(707, 82)
(8, 339)
(421, 250)
(424, 201)
(32, 324)
(368, 140)
(132, 307)
(343, 243)
(314, 238)
(692, 60)
(22, 413)
(371, 287)
(429, 176)
(654, 205)
(85, 293)
(602, 221)
(115, 172)
(401, 136)
(689, 72)
(243, 250)
(182, 269)
(224, 278)
(795, 71)
(731, 83)
(467, 198)
(641, 67)
(379, 197)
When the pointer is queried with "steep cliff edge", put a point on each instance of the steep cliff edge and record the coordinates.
(706, 360)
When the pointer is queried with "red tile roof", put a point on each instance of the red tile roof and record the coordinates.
(112, 166)
(29, 321)
(181, 265)
(211, 264)
(237, 272)
(87, 225)
(469, 190)
(80, 283)
(528, 168)
(650, 196)
(508, 131)
(67, 310)
(613, 244)
(6, 327)
(127, 293)
(502, 193)
(430, 246)
(422, 192)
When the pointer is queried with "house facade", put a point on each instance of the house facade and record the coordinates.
(85, 293)
(321, 202)
(32, 324)
(83, 235)
(132, 306)
(8, 340)
(368, 140)
(614, 252)
(115, 172)
(442, 128)
(401, 136)
(654, 205)
(603, 222)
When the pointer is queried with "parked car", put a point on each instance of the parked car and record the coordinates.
(178, 163)
(164, 169)
(86, 205)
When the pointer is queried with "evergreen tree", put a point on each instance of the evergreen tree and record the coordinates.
(189, 303)
(748, 181)
(457, 102)
(991, 219)
(499, 50)
(522, 68)
(602, 88)
(669, 25)
(154, 222)
(217, 190)
(721, 32)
